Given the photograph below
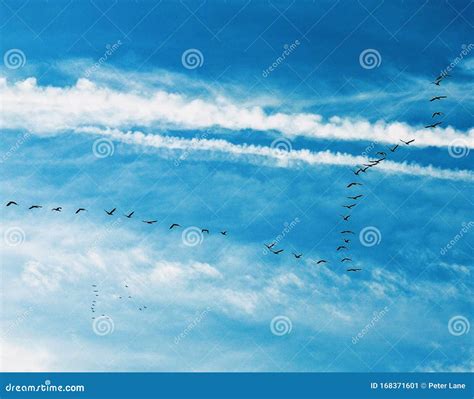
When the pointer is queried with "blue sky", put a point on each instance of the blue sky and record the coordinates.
(232, 145)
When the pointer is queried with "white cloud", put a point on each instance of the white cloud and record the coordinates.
(278, 157)
(54, 109)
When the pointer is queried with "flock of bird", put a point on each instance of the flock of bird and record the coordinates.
(110, 213)
(345, 235)
(95, 301)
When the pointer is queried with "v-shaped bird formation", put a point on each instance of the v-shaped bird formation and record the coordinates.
(354, 197)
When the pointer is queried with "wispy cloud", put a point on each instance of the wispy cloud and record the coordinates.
(274, 155)
(54, 109)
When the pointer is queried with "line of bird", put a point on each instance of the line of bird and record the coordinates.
(437, 82)
(110, 213)
(346, 233)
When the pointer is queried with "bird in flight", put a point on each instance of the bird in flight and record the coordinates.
(80, 210)
(354, 270)
(356, 197)
(347, 241)
(320, 261)
(347, 232)
(149, 221)
(205, 231)
(346, 260)
(270, 246)
(110, 213)
(349, 206)
(437, 114)
(35, 207)
(442, 76)
(130, 214)
(224, 232)
(394, 148)
(58, 209)
(381, 153)
(297, 256)
(174, 225)
(408, 142)
(341, 247)
(11, 203)
(346, 218)
(436, 82)
(354, 184)
(279, 251)
(356, 172)
(438, 98)
(433, 125)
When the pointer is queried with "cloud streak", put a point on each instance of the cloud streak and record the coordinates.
(52, 109)
(274, 155)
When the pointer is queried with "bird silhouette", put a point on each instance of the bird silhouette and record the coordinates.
(355, 197)
(320, 261)
(35, 207)
(205, 231)
(394, 148)
(347, 241)
(349, 206)
(438, 98)
(433, 125)
(58, 209)
(11, 203)
(346, 260)
(149, 221)
(381, 153)
(346, 218)
(297, 256)
(341, 247)
(80, 210)
(354, 270)
(442, 76)
(174, 225)
(279, 251)
(224, 232)
(408, 142)
(270, 246)
(437, 114)
(110, 213)
(347, 232)
(356, 172)
(354, 184)
(130, 214)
